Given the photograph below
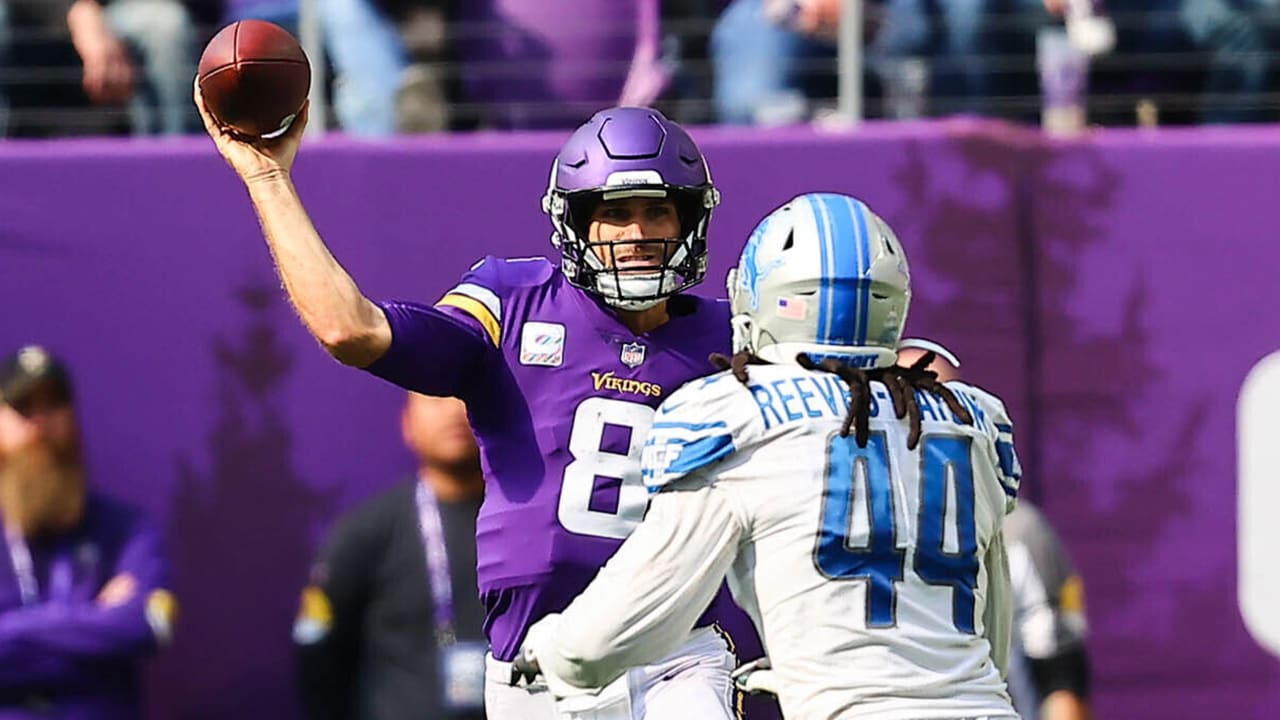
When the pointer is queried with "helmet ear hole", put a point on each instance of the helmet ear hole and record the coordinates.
(791, 240)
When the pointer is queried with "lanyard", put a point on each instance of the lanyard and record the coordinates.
(23, 568)
(437, 564)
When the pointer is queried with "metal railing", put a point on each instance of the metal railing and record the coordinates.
(1173, 76)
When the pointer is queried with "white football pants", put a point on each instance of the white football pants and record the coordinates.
(690, 684)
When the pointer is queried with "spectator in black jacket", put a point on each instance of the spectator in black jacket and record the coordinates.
(390, 626)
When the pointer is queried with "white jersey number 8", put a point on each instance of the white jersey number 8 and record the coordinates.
(591, 461)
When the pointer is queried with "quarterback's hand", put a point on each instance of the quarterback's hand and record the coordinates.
(254, 158)
(524, 668)
(756, 676)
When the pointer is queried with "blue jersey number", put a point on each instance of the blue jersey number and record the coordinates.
(858, 482)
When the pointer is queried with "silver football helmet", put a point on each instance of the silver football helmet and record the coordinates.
(821, 275)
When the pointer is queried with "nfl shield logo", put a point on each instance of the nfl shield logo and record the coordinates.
(632, 354)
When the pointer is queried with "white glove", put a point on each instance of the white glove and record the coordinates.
(756, 676)
(525, 669)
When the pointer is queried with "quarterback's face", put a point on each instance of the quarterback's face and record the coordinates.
(620, 227)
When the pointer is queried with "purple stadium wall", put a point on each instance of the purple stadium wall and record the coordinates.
(1113, 290)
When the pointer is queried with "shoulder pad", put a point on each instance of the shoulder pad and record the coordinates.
(693, 429)
(485, 287)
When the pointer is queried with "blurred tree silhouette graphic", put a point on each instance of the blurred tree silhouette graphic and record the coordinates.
(241, 531)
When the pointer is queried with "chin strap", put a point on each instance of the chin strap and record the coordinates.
(631, 305)
(646, 286)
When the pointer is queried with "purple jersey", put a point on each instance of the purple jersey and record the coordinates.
(561, 395)
(62, 652)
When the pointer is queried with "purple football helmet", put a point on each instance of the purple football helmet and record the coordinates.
(630, 152)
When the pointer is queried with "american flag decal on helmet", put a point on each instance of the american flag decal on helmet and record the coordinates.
(792, 308)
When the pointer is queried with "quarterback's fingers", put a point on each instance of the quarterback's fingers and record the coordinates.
(209, 123)
(299, 123)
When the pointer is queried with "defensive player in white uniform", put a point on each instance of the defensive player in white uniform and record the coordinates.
(855, 506)
(1049, 676)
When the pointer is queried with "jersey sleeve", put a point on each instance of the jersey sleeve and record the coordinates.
(478, 299)
(699, 425)
(644, 602)
(484, 297)
(990, 415)
(998, 616)
(448, 349)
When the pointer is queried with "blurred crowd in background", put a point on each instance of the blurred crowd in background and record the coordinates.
(94, 67)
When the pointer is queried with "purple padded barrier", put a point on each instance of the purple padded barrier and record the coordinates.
(1113, 290)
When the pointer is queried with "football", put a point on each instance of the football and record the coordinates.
(254, 77)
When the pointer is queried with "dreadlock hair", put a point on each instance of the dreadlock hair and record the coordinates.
(901, 382)
(738, 364)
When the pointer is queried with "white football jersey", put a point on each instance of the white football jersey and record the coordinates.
(877, 576)
(864, 568)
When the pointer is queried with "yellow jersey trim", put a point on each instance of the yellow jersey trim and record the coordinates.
(477, 310)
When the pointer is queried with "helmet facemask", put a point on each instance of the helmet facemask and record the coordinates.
(683, 259)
